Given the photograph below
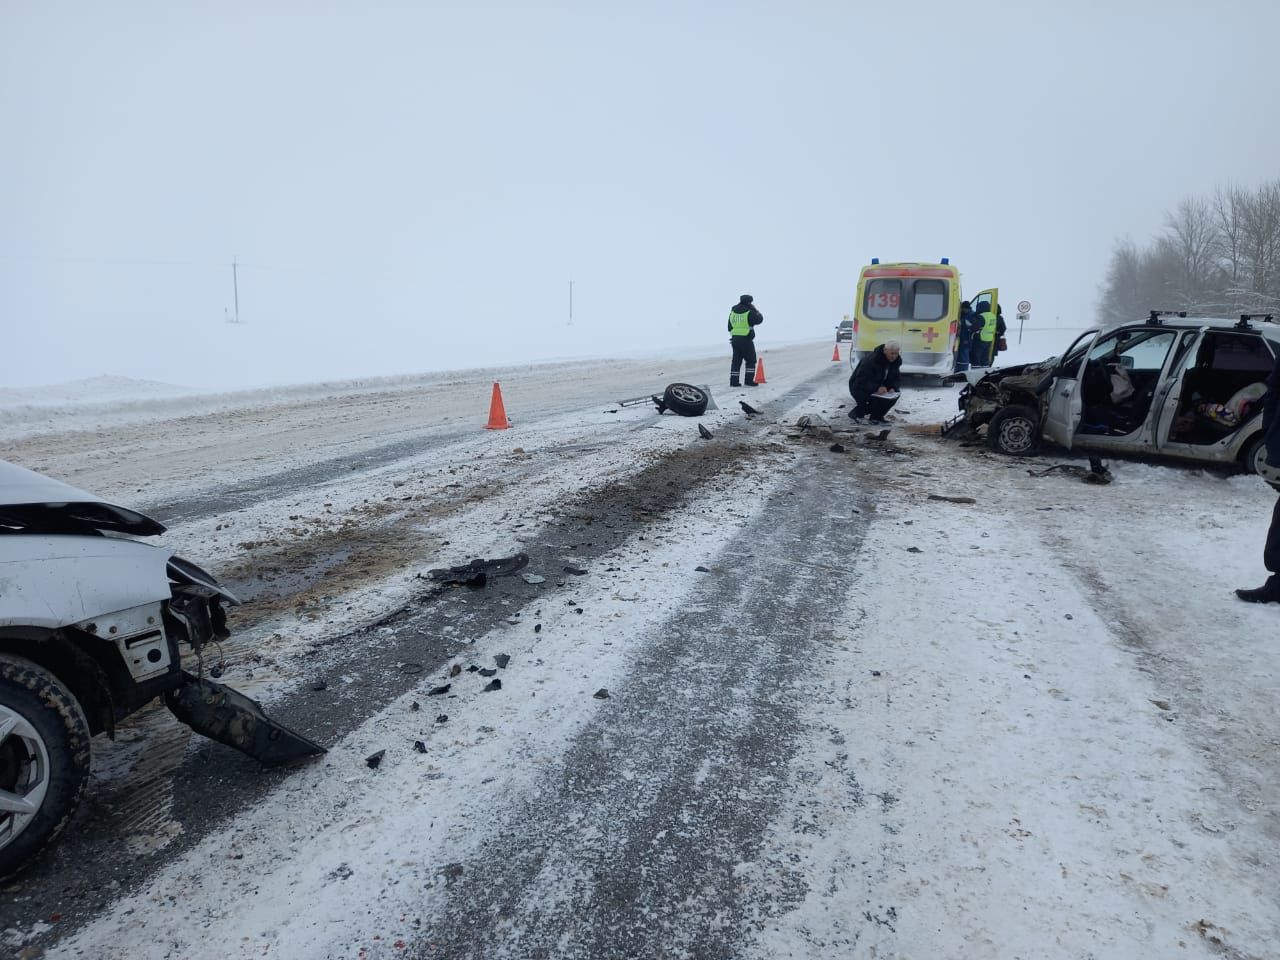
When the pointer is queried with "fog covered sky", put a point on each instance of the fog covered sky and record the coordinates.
(411, 186)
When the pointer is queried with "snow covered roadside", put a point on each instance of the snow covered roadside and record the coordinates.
(1013, 783)
(160, 454)
(341, 861)
(1053, 728)
(1019, 781)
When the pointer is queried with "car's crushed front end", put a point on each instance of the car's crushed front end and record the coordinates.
(986, 393)
(94, 625)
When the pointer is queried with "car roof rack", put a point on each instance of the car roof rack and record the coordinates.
(1246, 317)
(1155, 316)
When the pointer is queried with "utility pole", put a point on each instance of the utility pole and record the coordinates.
(235, 285)
(571, 303)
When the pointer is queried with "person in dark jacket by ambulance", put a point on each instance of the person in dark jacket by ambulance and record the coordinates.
(1269, 592)
(874, 383)
(743, 320)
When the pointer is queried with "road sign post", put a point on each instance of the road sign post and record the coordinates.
(1024, 311)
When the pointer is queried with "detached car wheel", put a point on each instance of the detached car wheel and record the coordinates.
(1014, 430)
(685, 399)
(44, 760)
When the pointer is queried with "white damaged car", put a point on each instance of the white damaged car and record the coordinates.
(93, 626)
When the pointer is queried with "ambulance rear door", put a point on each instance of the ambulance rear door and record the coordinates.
(880, 310)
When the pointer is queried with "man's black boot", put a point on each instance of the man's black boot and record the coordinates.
(733, 380)
(751, 379)
(1269, 592)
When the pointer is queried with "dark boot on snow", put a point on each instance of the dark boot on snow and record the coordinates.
(751, 379)
(1269, 592)
(733, 380)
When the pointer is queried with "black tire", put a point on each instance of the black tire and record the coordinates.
(1254, 455)
(44, 758)
(685, 399)
(1014, 430)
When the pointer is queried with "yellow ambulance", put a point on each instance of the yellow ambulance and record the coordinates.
(917, 304)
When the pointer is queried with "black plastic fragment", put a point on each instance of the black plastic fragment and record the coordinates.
(474, 574)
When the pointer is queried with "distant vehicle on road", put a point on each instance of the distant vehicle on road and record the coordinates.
(844, 331)
(1172, 386)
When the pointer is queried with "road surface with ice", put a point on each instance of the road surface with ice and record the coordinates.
(794, 707)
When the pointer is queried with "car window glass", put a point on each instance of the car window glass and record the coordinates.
(1069, 365)
(930, 300)
(883, 298)
(1240, 354)
(1137, 350)
(1148, 353)
(1184, 344)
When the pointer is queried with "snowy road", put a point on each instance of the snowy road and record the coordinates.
(875, 724)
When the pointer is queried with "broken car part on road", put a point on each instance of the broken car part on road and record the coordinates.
(477, 572)
(91, 623)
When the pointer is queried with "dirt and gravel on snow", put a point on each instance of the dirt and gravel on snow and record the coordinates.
(795, 689)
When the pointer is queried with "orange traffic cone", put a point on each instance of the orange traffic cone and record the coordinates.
(760, 371)
(835, 354)
(497, 412)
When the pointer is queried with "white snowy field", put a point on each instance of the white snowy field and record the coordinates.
(1038, 725)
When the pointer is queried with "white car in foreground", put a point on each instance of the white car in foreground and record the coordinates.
(93, 624)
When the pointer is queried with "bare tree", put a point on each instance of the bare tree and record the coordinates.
(1261, 242)
(1191, 236)
(1121, 288)
(1229, 204)
(1216, 256)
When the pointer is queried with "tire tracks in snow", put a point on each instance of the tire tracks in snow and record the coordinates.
(633, 845)
(212, 784)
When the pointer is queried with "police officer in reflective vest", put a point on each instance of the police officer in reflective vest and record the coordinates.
(743, 320)
(984, 339)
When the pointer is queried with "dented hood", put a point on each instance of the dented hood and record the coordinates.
(35, 503)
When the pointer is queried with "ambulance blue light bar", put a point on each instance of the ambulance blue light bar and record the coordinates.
(874, 261)
(946, 260)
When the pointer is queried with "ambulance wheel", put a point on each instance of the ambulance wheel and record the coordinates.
(44, 760)
(1014, 430)
(685, 399)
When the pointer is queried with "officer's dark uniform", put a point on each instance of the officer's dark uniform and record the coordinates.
(743, 320)
(1269, 592)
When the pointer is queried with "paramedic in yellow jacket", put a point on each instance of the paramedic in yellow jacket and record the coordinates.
(743, 320)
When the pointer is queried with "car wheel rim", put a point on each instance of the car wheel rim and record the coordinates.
(24, 774)
(686, 394)
(1015, 435)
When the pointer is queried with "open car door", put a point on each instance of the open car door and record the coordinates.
(1066, 404)
(991, 297)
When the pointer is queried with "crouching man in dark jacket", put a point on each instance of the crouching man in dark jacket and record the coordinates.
(874, 384)
(1269, 592)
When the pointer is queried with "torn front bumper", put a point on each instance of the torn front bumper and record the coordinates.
(228, 716)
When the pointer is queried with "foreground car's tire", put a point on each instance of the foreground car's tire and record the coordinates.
(1014, 430)
(685, 399)
(1255, 455)
(44, 760)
